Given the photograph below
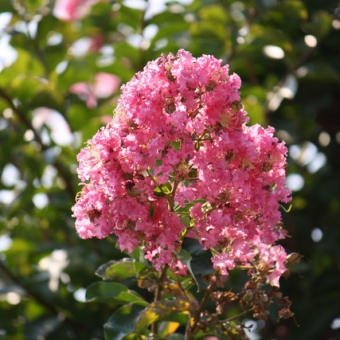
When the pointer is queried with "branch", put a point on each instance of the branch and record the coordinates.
(190, 330)
(41, 301)
(26, 122)
(154, 327)
(22, 117)
(171, 198)
(38, 298)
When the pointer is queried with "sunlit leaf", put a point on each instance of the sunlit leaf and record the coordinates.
(119, 270)
(167, 327)
(159, 310)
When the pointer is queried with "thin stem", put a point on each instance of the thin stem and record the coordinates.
(171, 198)
(39, 299)
(224, 323)
(154, 326)
(191, 329)
(21, 117)
(238, 315)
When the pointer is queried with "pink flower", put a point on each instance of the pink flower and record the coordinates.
(179, 139)
(85, 92)
(104, 85)
(70, 10)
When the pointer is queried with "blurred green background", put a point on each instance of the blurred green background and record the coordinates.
(287, 53)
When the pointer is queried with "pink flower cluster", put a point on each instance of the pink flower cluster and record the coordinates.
(179, 139)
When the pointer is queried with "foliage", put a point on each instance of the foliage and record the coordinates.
(298, 94)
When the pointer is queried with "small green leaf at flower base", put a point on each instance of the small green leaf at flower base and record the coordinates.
(115, 291)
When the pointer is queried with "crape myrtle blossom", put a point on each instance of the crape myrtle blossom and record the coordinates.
(179, 138)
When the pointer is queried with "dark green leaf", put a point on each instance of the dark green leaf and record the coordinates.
(176, 336)
(186, 258)
(122, 322)
(114, 291)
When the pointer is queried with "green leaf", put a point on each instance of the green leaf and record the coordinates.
(6, 6)
(119, 270)
(23, 75)
(78, 70)
(176, 145)
(160, 310)
(44, 98)
(163, 190)
(123, 49)
(122, 322)
(41, 327)
(167, 328)
(176, 336)
(115, 291)
(294, 8)
(254, 109)
(130, 16)
(321, 24)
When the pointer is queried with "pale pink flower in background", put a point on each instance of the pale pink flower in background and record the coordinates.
(104, 85)
(85, 92)
(69, 10)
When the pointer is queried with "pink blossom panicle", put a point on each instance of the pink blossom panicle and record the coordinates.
(180, 137)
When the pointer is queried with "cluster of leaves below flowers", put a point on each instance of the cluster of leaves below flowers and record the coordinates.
(179, 160)
(176, 306)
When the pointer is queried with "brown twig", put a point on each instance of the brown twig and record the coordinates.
(197, 315)
(154, 326)
(39, 299)
(171, 198)
(238, 315)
